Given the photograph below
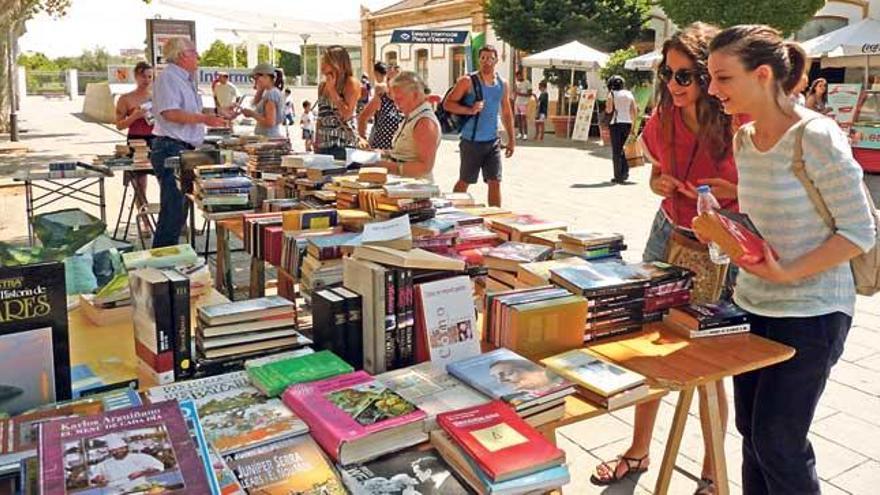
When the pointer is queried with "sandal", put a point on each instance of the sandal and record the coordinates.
(706, 486)
(634, 465)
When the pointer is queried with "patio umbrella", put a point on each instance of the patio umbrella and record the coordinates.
(646, 62)
(842, 47)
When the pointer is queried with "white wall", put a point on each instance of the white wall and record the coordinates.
(840, 9)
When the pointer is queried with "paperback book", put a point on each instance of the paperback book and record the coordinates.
(415, 471)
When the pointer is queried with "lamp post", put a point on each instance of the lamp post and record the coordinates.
(305, 37)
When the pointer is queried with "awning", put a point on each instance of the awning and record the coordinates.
(574, 55)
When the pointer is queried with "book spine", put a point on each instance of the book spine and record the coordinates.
(354, 335)
(410, 319)
(400, 330)
(182, 334)
(322, 321)
(714, 332)
(712, 323)
(339, 342)
(390, 319)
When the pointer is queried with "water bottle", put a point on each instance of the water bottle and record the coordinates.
(707, 202)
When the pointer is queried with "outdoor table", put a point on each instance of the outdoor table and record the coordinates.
(130, 174)
(671, 361)
(223, 278)
(82, 185)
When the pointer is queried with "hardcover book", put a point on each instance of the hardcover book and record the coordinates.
(146, 449)
(415, 471)
(538, 273)
(247, 310)
(351, 416)
(505, 375)
(292, 466)
(181, 321)
(518, 225)
(446, 320)
(599, 278)
(154, 321)
(220, 478)
(34, 346)
(590, 371)
(499, 441)
(234, 414)
(704, 316)
(510, 255)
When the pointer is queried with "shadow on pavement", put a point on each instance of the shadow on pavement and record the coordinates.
(597, 185)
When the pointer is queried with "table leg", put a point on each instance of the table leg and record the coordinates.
(716, 440)
(122, 209)
(258, 278)
(223, 276)
(674, 442)
(103, 200)
(29, 205)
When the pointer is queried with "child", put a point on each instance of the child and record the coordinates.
(307, 121)
(543, 102)
(288, 108)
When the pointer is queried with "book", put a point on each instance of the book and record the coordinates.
(154, 322)
(164, 257)
(247, 310)
(220, 479)
(413, 471)
(478, 481)
(432, 390)
(292, 466)
(510, 255)
(279, 340)
(235, 415)
(282, 320)
(411, 190)
(309, 219)
(516, 226)
(355, 418)
(596, 279)
(446, 321)
(616, 401)
(114, 291)
(705, 316)
(395, 233)
(35, 364)
(181, 321)
(330, 247)
(696, 333)
(499, 441)
(503, 374)
(416, 258)
(549, 238)
(590, 371)
(538, 273)
(544, 327)
(589, 239)
(149, 449)
(329, 322)
(272, 378)
(738, 239)
(354, 337)
(367, 279)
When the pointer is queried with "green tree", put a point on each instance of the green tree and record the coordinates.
(36, 61)
(290, 62)
(219, 54)
(534, 25)
(785, 15)
(615, 66)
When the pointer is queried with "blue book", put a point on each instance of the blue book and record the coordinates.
(535, 482)
(221, 479)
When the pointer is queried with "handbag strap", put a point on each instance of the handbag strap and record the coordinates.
(798, 167)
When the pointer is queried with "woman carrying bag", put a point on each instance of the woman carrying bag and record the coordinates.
(621, 113)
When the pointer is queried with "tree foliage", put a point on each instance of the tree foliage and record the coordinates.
(785, 15)
(615, 66)
(534, 25)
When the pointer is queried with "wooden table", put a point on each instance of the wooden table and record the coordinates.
(670, 361)
(223, 282)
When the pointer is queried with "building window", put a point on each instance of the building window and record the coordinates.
(458, 62)
(819, 26)
(422, 64)
(357, 66)
(391, 58)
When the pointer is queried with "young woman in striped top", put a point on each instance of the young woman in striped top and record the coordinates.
(806, 298)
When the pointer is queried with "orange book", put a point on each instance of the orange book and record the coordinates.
(544, 328)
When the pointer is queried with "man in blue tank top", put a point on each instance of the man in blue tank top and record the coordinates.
(479, 146)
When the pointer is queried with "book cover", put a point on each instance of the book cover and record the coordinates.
(154, 322)
(220, 479)
(411, 472)
(181, 321)
(293, 466)
(523, 224)
(35, 368)
(501, 443)
(543, 328)
(164, 257)
(589, 239)
(354, 337)
(737, 237)
(390, 334)
(247, 310)
(432, 390)
(511, 254)
(234, 414)
(598, 278)
(146, 449)
(329, 322)
(702, 316)
(272, 378)
(350, 407)
(504, 374)
(694, 333)
(592, 372)
(538, 273)
(449, 321)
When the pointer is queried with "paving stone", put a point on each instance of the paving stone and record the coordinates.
(861, 480)
(833, 458)
(829, 489)
(856, 434)
(871, 362)
(858, 377)
(596, 432)
(854, 402)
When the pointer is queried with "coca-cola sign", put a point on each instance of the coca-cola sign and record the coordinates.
(871, 48)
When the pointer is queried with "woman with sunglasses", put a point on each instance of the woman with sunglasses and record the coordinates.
(688, 139)
(268, 103)
(338, 96)
(817, 96)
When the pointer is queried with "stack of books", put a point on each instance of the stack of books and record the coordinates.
(140, 153)
(669, 286)
(163, 257)
(222, 188)
(615, 293)
(592, 245)
(373, 175)
(435, 235)
(348, 188)
(535, 322)
(707, 320)
(243, 329)
(407, 198)
(597, 380)
(515, 227)
(495, 451)
(322, 264)
(536, 394)
(294, 248)
(549, 238)
(504, 260)
(538, 273)
(474, 241)
(263, 236)
(264, 158)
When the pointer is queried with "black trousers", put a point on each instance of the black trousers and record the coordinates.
(775, 405)
(619, 133)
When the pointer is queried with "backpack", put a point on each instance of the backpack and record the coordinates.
(865, 266)
(451, 123)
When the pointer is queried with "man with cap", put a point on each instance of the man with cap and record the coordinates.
(225, 93)
(123, 469)
(268, 102)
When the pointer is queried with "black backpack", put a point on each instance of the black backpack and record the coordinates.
(452, 123)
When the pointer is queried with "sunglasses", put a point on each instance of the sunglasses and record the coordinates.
(682, 77)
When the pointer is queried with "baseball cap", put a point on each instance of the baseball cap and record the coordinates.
(264, 68)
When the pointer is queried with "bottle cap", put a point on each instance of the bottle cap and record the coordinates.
(704, 189)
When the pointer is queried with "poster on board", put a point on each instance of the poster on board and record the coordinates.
(159, 31)
(842, 102)
(586, 103)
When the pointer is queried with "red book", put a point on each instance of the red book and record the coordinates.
(738, 239)
(501, 443)
(274, 240)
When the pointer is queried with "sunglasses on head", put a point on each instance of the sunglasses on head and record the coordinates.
(682, 77)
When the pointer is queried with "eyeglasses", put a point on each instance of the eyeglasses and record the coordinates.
(682, 77)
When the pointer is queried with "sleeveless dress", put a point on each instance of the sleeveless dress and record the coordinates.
(388, 119)
(333, 133)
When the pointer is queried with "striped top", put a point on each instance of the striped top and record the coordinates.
(778, 204)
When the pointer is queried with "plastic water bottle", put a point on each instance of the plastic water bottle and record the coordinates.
(707, 202)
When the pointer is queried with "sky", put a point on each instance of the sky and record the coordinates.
(119, 24)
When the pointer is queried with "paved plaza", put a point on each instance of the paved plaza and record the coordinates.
(568, 183)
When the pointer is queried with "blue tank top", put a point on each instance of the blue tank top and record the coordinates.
(487, 124)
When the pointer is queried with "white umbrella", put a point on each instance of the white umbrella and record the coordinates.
(838, 47)
(646, 62)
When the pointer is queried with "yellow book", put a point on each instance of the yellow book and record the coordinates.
(540, 329)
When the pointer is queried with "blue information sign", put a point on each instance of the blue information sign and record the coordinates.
(432, 37)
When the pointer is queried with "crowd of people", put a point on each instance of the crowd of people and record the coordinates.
(726, 115)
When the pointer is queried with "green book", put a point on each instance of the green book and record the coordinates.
(273, 378)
